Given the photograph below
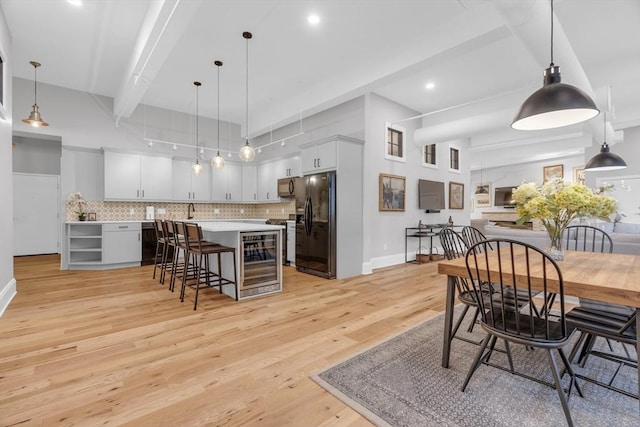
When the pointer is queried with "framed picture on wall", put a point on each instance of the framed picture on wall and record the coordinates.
(550, 172)
(578, 175)
(482, 195)
(392, 193)
(456, 195)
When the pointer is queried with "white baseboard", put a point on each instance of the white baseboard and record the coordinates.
(387, 261)
(366, 268)
(7, 294)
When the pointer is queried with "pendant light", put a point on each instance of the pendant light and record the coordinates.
(247, 153)
(35, 119)
(605, 160)
(197, 167)
(481, 188)
(218, 162)
(555, 104)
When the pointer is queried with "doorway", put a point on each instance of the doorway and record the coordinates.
(36, 208)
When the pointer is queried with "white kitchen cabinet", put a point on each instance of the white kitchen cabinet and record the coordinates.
(136, 177)
(82, 169)
(187, 186)
(249, 183)
(268, 181)
(122, 243)
(289, 166)
(226, 183)
(319, 157)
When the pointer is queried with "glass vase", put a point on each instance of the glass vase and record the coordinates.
(555, 249)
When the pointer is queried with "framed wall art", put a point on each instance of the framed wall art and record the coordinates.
(482, 195)
(392, 193)
(578, 175)
(549, 172)
(456, 195)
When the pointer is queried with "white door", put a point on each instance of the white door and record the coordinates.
(36, 228)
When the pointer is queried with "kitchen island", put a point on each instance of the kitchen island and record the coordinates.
(258, 256)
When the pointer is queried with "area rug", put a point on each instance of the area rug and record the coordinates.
(401, 382)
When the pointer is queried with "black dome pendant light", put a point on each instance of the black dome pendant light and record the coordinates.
(555, 104)
(605, 160)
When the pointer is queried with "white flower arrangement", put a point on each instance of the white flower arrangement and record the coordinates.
(77, 202)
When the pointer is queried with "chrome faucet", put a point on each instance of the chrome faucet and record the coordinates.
(190, 209)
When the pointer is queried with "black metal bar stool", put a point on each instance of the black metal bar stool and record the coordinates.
(200, 249)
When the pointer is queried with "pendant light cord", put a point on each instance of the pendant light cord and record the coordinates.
(218, 107)
(551, 33)
(35, 85)
(247, 90)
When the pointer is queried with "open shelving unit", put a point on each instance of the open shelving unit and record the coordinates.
(84, 244)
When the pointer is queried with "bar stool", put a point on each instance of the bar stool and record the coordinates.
(167, 231)
(178, 266)
(201, 249)
(161, 242)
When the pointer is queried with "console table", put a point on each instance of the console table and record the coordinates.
(425, 231)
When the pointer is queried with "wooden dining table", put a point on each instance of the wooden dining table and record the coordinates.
(612, 278)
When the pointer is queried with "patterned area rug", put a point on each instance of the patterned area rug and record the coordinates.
(401, 382)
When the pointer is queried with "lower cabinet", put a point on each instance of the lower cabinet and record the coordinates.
(96, 246)
(122, 243)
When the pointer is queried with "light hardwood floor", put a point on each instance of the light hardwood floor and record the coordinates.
(117, 348)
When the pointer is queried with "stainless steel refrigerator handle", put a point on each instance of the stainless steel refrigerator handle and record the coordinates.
(310, 216)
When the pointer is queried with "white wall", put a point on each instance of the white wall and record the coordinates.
(31, 155)
(385, 231)
(7, 281)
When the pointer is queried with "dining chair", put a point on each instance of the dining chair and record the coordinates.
(454, 246)
(472, 235)
(509, 265)
(595, 319)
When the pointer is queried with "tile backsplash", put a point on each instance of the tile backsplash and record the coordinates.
(135, 211)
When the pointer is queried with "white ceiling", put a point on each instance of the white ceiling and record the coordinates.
(489, 54)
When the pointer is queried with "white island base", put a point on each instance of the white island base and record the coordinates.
(258, 256)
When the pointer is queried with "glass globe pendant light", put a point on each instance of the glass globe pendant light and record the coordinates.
(247, 153)
(35, 119)
(218, 162)
(197, 167)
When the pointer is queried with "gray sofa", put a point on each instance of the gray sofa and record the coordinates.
(625, 236)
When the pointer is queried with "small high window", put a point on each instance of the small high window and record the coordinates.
(395, 142)
(454, 159)
(429, 157)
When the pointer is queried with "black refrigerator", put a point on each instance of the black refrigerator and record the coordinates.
(316, 225)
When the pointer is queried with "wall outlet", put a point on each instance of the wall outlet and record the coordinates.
(216, 211)
(385, 246)
(267, 210)
(162, 211)
(282, 210)
(241, 211)
(132, 211)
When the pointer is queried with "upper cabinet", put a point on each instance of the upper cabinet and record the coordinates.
(249, 183)
(82, 170)
(319, 157)
(189, 187)
(137, 177)
(268, 181)
(226, 183)
(289, 167)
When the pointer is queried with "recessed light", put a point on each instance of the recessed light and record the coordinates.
(76, 3)
(313, 19)
(430, 85)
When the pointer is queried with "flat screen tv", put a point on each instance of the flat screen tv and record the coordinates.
(431, 195)
(503, 197)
